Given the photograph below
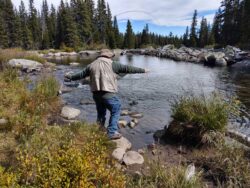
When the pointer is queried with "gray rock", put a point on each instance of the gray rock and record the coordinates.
(70, 113)
(133, 157)
(3, 121)
(168, 47)
(190, 172)
(221, 62)
(118, 154)
(24, 64)
(123, 143)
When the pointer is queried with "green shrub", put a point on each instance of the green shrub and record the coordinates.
(26, 109)
(167, 177)
(75, 156)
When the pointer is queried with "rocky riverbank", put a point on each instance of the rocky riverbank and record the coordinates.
(224, 57)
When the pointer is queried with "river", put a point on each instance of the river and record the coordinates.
(154, 92)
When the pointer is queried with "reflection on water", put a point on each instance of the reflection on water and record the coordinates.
(154, 91)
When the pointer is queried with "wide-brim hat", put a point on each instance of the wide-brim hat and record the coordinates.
(107, 53)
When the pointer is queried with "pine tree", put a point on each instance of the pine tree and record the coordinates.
(25, 35)
(245, 24)
(203, 34)
(231, 22)
(186, 37)
(34, 24)
(109, 30)
(66, 27)
(52, 27)
(217, 27)
(117, 34)
(45, 23)
(3, 32)
(10, 21)
(101, 21)
(193, 30)
(129, 38)
(145, 36)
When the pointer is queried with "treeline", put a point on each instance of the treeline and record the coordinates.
(79, 24)
(73, 24)
(76, 25)
(231, 26)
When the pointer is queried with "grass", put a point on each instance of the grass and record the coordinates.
(197, 119)
(227, 165)
(160, 176)
(17, 53)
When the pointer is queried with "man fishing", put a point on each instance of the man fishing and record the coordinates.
(103, 82)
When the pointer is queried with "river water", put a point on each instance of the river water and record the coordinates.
(155, 91)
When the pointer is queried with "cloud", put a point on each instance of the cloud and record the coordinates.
(158, 12)
(163, 12)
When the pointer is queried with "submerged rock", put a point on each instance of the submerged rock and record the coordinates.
(118, 154)
(136, 115)
(74, 64)
(86, 102)
(122, 123)
(124, 113)
(123, 143)
(132, 125)
(133, 157)
(70, 113)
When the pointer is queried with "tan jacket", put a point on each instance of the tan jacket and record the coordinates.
(102, 76)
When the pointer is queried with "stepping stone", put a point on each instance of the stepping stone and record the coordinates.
(133, 157)
(118, 154)
(123, 143)
(122, 123)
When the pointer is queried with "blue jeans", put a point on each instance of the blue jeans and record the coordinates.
(114, 106)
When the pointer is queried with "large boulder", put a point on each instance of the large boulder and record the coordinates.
(168, 47)
(123, 143)
(133, 157)
(70, 113)
(25, 64)
(231, 51)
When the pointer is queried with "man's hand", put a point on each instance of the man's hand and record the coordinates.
(147, 70)
(67, 76)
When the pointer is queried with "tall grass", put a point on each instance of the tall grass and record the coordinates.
(165, 176)
(26, 109)
(210, 113)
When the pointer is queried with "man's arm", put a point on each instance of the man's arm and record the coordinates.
(80, 75)
(119, 68)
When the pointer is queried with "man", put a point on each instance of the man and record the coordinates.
(103, 82)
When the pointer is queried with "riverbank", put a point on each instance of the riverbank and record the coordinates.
(167, 151)
(223, 57)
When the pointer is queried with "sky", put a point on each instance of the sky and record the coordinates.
(162, 16)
